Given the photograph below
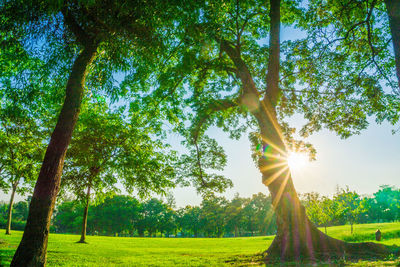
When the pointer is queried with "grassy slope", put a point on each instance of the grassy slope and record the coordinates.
(123, 251)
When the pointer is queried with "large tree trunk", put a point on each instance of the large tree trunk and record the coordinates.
(10, 207)
(393, 10)
(297, 237)
(84, 219)
(33, 247)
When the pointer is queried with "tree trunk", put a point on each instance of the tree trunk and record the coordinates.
(85, 215)
(236, 231)
(297, 237)
(32, 249)
(10, 207)
(351, 225)
(393, 10)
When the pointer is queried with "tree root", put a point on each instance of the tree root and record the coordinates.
(325, 249)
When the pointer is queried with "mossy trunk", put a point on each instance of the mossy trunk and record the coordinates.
(33, 246)
(10, 207)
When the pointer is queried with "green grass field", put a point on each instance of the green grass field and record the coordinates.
(124, 251)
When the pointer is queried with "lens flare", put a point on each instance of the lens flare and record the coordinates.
(296, 161)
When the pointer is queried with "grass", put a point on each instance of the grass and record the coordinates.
(124, 251)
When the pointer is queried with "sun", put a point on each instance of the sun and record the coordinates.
(296, 161)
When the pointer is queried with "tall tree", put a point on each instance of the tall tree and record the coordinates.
(23, 147)
(235, 75)
(80, 30)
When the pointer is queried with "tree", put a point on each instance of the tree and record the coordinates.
(393, 11)
(67, 218)
(152, 212)
(21, 152)
(264, 213)
(21, 137)
(384, 205)
(369, 25)
(351, 206)
(213, 215)
(190, 220)
(116, 215)
(87, 28)
(350, 46)
(235, 76)
(234, 214)
(320, 209)
(106, 148)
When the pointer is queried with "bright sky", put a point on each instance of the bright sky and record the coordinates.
(362, 162)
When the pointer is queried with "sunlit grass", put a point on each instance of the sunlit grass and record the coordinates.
(124, 251)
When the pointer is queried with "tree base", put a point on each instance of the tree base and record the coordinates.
(320, 247)
(82, 242)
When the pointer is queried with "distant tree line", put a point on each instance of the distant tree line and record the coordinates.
(121, 215)
(349, 207)
(126, 216)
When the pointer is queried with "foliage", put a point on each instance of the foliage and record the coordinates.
(108, 147)
(124, 215)
(349, 207)
(20, 213)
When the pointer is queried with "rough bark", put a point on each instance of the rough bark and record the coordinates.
(393, 10)
(33, 247)
(84, 219)
(10, 207)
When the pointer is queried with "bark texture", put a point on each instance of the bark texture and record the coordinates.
(393, 10)
(10, 207)
(33, 247)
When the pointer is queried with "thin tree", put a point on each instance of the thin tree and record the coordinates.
(107, 148)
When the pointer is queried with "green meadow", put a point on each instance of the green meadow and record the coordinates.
(126, 251)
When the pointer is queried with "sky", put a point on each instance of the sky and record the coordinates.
(362, 162)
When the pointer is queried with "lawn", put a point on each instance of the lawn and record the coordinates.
(124, 251)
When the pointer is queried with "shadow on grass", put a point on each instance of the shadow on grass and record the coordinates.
(356, 260)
